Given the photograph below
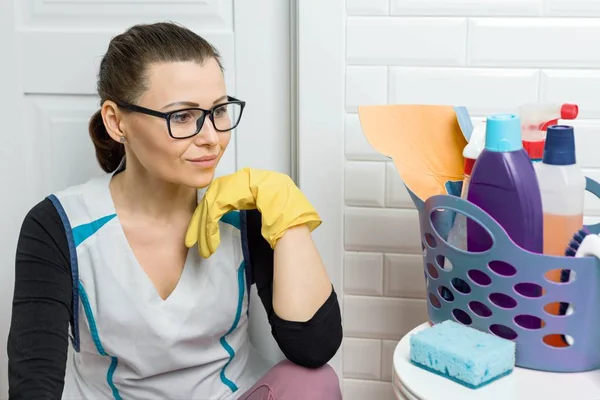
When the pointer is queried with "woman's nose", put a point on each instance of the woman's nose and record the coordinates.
(208, 134)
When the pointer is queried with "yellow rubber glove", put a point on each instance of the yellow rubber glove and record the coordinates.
(280, 202)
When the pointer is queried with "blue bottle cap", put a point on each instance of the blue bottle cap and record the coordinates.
(560, 145)
(503, 133)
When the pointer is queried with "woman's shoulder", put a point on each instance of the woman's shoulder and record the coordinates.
(43, 215)
(42, 227)
(42, 239)
(93, 186)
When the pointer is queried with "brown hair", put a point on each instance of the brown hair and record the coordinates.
(123, 69)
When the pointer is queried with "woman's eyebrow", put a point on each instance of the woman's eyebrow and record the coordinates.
(182, 103)
(220, 99)
(192, 104)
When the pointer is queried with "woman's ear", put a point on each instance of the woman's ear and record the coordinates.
(112, 117)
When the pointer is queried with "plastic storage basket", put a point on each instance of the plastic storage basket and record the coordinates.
(492, 291)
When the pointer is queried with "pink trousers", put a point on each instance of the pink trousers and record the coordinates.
(288, 381)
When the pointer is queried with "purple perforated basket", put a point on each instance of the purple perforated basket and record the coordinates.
(491, 291)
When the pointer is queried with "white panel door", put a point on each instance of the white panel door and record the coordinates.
(51, 50)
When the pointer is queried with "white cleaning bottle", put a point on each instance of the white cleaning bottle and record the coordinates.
(562, 185)
(457, 236)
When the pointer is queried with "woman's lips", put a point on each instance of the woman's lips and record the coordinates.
(204, 162)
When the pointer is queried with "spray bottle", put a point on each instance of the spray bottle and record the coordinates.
(535, 120)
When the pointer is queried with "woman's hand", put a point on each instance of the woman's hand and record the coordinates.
(280, 202)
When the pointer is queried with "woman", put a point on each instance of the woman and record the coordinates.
(152, 284)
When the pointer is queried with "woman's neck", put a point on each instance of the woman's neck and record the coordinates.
(138, 194)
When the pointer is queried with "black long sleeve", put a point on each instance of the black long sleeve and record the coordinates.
(38, 338)
(310, 344)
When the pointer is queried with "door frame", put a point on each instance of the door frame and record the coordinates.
(321, 70)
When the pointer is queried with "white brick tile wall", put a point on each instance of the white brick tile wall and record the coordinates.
(463, 86)
(587, 131)
(363, 389)
(396, 195)
(406, 41)
(403, 276)
(357, 146)
(572, 8)
(488, 55)
(385, 229)
(387, 354)
(578, 85)
(363, 273)
(382, 317)
(376, 92)
(364, 183)
(534, 42)
(362, 358)
(467, 7)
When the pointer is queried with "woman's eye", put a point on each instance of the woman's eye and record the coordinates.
(181, 118)
(220, 112)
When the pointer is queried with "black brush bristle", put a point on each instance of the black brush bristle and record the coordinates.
(576, 242)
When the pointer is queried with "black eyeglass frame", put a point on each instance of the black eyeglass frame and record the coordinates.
(167, 116)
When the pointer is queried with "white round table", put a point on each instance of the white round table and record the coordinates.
(413, 383)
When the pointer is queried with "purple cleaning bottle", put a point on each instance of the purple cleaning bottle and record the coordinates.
(504, 184)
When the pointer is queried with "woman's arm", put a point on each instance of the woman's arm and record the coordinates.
(300, 301)
(38, 338)
(300, 282)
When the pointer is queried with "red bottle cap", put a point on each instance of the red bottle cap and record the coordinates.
(569, 111)
(535, 150)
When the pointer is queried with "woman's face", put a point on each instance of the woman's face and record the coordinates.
(173, 86)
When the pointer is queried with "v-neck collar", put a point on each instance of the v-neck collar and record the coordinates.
(132, 275)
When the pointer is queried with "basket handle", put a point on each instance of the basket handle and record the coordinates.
(593, 187)
(496, 231)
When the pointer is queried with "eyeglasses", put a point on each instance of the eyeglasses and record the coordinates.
(187, 122)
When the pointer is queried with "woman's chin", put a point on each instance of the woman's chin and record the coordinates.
(200, 179)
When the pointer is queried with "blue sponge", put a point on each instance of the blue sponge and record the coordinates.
(462, 354)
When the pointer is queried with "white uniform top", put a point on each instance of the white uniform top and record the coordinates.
(129, 343)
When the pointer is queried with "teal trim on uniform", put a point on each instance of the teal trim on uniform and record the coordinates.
(114, 361)
(236, 321)
(84, 231)
(232, 218)
(96, 338)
